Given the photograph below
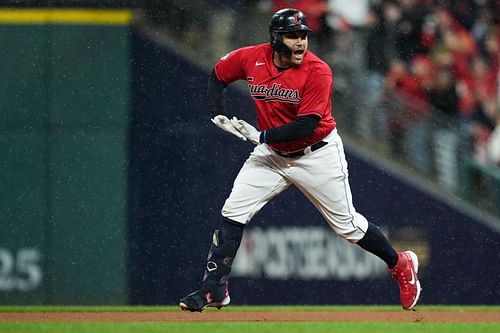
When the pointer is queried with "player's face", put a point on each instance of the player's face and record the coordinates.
(298, 43)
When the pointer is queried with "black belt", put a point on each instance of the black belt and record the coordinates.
(302, 152)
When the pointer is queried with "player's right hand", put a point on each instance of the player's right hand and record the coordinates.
(223, 122)
(250, 132)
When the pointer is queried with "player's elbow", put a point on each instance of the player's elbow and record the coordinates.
(307, 125)
(309, 131)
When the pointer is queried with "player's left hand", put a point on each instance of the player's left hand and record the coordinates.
(250, 132)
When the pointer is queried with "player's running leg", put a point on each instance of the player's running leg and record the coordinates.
(257, 183)
(334, 201)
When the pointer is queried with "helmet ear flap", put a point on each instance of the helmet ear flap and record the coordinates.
(275, 38)
(278, 45)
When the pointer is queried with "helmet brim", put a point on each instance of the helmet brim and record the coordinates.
(301, 27)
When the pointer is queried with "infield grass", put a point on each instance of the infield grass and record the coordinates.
(242, 327)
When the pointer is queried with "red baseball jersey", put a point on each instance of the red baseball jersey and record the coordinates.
(282, 96)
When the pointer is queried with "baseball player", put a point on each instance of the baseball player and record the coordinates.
(296, 144)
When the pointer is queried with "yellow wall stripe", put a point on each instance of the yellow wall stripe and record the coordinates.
(66, 16)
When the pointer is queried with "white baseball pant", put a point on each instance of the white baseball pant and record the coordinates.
(321, 175)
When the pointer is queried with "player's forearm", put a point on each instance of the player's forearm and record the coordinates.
(298, 129)
(216, 95)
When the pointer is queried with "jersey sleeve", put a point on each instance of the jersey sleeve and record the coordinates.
(317, 94)
(231, 67)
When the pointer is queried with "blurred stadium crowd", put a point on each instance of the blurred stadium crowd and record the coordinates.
(437, 59)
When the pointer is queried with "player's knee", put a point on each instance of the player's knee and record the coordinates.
(352, 228)
(352, 235)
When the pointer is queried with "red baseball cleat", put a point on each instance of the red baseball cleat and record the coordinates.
(405, 274)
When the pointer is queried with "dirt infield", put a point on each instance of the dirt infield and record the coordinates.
(285, 316)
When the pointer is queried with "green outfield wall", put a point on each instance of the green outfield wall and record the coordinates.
(64, 111)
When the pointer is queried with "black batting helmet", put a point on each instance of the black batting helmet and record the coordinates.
(286, 20)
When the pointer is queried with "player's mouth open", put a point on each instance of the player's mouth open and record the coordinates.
(298, 53)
